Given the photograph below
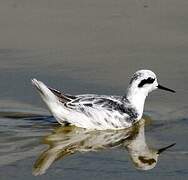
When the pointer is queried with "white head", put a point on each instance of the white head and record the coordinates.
(142, 82)
(145, 81)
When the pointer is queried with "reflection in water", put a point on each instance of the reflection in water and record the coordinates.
(69, 140)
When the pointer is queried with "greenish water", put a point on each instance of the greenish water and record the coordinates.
(91, 47)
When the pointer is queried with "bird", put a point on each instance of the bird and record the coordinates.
(101, 112)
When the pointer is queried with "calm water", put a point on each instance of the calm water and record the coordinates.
(92, 46)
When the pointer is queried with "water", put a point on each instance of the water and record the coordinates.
(91, 46)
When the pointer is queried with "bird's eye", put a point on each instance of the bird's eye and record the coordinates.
(146, 81)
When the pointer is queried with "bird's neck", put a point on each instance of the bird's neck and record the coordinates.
(136, 99)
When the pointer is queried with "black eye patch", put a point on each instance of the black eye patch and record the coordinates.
(146, 81)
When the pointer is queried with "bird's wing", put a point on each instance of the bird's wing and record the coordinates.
(95, 101)
(63, 97)
(110, 103)
(88, 100)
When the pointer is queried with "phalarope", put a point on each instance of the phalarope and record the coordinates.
(101, 112)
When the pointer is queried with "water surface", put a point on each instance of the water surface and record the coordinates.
(91, 47)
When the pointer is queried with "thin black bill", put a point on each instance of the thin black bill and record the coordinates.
(165, 148)
(166, 89)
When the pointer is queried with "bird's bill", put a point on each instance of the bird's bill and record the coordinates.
(165, 148)
(166, 89)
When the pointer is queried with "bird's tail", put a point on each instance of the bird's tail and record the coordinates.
(44, 91)
(51, 100)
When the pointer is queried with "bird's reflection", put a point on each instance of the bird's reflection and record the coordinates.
(68, 140)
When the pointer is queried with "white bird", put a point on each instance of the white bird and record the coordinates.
(101, 112)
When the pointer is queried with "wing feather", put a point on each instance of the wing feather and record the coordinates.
(83, 102)
(63, 97)
(108, 103)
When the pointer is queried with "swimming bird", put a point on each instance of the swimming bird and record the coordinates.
(101, 112)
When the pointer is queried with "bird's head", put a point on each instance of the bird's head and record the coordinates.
(145, 81)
